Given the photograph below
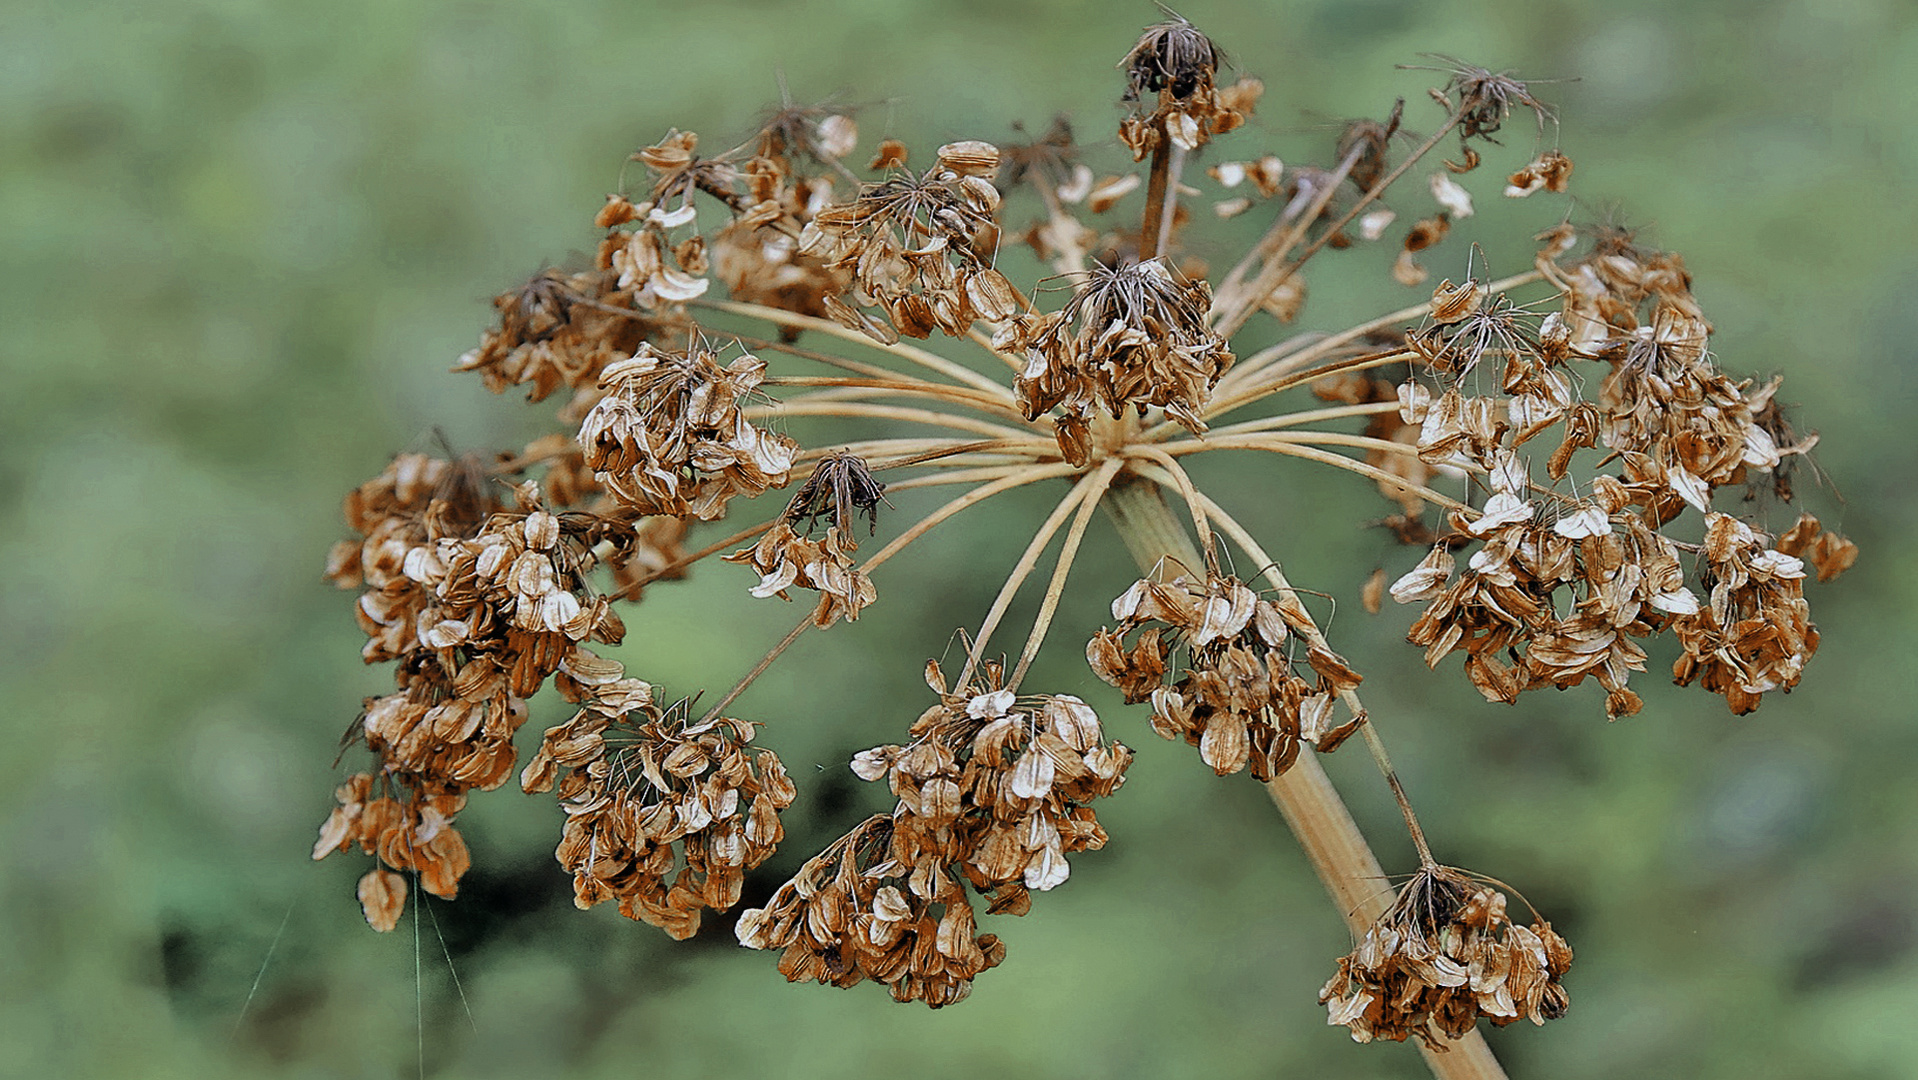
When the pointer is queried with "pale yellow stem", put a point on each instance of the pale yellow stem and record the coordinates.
(1272, 248)
(912, 354)
(1294, 356)
(885, 412)
(1244, 395)
(1303, 793)
(1055, 588)
(1029, 474)
(1278, 443)
(1305, 416)
(849, 388)
(1279, 269)
(981, 474)
(1185, 487)
(1023, 568)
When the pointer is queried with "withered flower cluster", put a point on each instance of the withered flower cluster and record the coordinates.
(840, 487)
(670, 437)
(1177, 65)
(993, 793)
(1237, 696)
(1679, 429)
(919, 247)
(1560, 441)
(1132, 336)
(662, 814)
(1444, 955)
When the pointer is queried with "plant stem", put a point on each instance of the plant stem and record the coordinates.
(1154, 200)
(1303, 793)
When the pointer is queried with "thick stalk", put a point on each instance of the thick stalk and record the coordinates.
(1304, 794)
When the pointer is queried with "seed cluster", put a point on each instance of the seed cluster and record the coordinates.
(919, 247)
(994, 792)
(669, 437)
(479, 606)
(663, 815)
(1444, 955)
(1132, 337)
(1179, 65)
(1238, 696)
(1679, 428)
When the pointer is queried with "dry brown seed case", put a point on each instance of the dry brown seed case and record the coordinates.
(1558, 448)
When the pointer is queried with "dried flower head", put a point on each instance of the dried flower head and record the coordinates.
(993, 794)
(1444, 955)
(1558, 441)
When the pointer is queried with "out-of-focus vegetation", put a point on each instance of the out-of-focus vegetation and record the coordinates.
(240, 243)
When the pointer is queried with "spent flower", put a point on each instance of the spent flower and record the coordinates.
(1557, 443)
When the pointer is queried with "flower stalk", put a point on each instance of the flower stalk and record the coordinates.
(1311, 806)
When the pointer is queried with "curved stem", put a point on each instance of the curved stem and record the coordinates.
(1023, 569)
(899, 544)
(1269, 567)
(1272, 249)
(1097, 484)
(1246, 394)
(930, 360)
(1184, 485)
(1277, 443)
(1298, 357)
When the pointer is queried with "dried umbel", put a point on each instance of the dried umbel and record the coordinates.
(1130, 337)
(994, 792)
(1580, 475)
(1446, 954)
(663, 815)
(669, 436)
(1238, 697)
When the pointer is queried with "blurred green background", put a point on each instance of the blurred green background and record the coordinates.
(241, 242)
